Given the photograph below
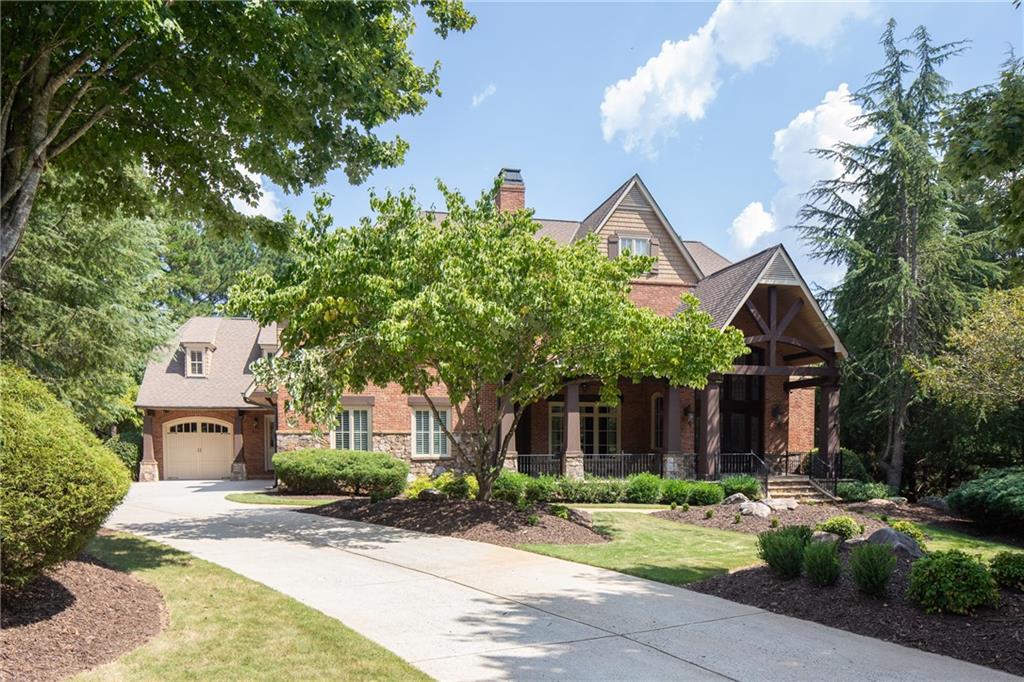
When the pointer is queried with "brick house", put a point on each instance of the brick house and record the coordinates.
(205, 418)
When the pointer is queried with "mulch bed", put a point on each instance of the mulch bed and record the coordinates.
(933, 517)
(498, 523)
(804, 514)
(76, 616)
(993, 637)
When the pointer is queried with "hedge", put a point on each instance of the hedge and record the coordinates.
(58, 482)
(995, 498)
(317, 471)
(852, 491)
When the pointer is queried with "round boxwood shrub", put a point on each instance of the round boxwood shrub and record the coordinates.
(1008, 570)
(909, 528)
(643, 489)
(852, 491)
(319, 471)
(742, 483)
(843, 526)
(676, 492)
(57, 481)
(996, 498)
(510, 486)
(703, 493)
(951, 581)
(457, 486)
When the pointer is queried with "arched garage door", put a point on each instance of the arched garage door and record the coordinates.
(198, 448)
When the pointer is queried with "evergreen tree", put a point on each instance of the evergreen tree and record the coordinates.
(892, 220)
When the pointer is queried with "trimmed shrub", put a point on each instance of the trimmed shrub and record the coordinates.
(843, 526)
(591, 490)
(418, 485)
(674, 491)
(821, 563)
(1008, 570)
(457, 486)
(58, 482)
(737, 518)
(560, 510)
(872, 566)
(318, 471)
(703, 493)
(802, 533)
(782, 551)
(643, 488)
(128, 452)
(510, 486)
(951, 581)
(861, 492)
(708, 513)
(909, 528)
(996, 498)
(742, 483)
(540, 489)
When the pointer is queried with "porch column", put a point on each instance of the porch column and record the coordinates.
(507, 420)
(238, 466)
(672, 464)
(572, 460)
(710, 429)
(828, 423)
(149, 470)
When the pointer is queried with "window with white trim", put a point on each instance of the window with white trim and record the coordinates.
(196, 363)
(428, 437)
(657, 421)
(638, 246)
(354, 430)
(599, 428)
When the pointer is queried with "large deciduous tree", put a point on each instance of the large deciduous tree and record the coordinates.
(201, 93)
(473, 303)
(892, 220)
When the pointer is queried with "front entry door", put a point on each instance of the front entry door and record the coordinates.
(742, 408)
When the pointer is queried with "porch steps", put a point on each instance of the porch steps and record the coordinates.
(797, 487)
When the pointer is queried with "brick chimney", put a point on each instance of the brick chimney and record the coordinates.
(512, 194)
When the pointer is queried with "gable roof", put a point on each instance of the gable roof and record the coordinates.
(709, 260)
(165, 385)
(597, 217)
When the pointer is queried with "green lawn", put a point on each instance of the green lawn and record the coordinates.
(267, 498)
(595, 506)
(661, 550)
(941, 539)
(226, 627)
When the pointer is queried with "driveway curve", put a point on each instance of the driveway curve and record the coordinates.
(462, 610)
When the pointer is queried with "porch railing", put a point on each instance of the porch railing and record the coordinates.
(732, 463)
(539, 465)
(824, 473)
(621, 465)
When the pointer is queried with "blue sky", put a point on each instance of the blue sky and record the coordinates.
(554, 89)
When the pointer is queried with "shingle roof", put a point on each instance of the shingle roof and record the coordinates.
(268, 335)
(722, 292)
(165, 385)
(597, 217)
(561, 231)
(707, 259)
(200, 330)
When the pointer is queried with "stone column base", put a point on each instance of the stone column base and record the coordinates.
(573, 466)
(238, 471)
(678, 466)
(511, 462)
(149, 471)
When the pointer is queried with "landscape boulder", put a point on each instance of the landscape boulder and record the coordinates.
(881, 504)
(780, 503)
(935, 503)
(758, 509)
(900, 542)
(823, 536)
(898, 501)
(736, 498)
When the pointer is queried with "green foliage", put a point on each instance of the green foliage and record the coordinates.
(703, 493)
(643, 488)
(709, 513)
(57, 481)
(127, 451)
(996, 498)
(672, 505)
(532, 520)
(474, 302)
(674, 491)
(981, 368)
(686, 507)
(742, 483)
(872, 567)
(800, 532)
(821, 563)
(782, 551)
(737, 518)
(909, 528)
(853, 465)
(853, 491)
(591, 490)
(78, 307)
(540, 489)
(560, 510)
(774, 522)
(952, 582)
(510, 486)
(418, 485)
(1008, 570)
(317, 471)
(843, 526)
(457, 486)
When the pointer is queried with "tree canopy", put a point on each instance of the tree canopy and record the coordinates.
(202, 93)
(471, 301)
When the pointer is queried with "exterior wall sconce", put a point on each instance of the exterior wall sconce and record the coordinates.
(688, 413)
(777, 414)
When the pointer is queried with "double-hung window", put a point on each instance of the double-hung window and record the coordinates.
(638, 246)
(353, 431)
(196, 363)
(429, 439)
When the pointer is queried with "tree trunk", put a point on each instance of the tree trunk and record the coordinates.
(898, 440)
(14, 220)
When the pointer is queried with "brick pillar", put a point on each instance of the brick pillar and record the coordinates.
(710, 428)
(149, 470)
(828, 415)
(238, 466)
(507, 421)
(572, 460)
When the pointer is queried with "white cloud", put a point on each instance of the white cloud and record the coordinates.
(479, 98)
(751, 224)
(683, 79)
(266, 206)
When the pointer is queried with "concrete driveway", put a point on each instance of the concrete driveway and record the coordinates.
(461, 610)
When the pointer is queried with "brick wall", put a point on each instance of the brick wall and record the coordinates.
(776, 434)
(252, 435)
(801, 420)
(661, 298)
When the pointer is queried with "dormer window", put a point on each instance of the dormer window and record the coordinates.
(638, 246)
(197, 363)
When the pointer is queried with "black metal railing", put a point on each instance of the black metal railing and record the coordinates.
(825, 472)
(732, 463)
(539, 465)
(621, 465)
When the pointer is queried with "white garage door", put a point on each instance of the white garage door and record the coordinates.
(198, 449)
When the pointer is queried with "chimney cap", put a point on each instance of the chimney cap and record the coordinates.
(511, 175)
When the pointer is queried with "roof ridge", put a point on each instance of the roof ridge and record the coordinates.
(741, 262)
